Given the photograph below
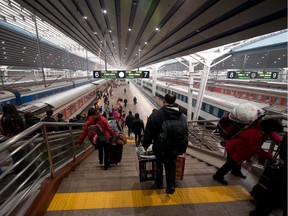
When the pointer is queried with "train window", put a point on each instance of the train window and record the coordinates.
(267, 98)
(194, 102)
(222, 90)
(215, 111)
(237, 93)
(244, 94)
(207, 108)
(251, 95)
(259, 97)
(185, 99)
(277, 100)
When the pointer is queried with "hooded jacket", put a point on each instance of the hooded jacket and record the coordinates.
(155, 121)
(91, 121)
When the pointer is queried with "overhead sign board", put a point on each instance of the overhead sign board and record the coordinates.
(121, 74)
(251, 75)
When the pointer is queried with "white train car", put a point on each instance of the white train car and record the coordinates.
(69, 103)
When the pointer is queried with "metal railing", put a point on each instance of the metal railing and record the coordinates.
(32, 156)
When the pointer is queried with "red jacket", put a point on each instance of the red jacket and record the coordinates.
(100, 120)
(246, 144)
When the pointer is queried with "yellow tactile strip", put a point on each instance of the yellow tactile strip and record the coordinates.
(141, 198)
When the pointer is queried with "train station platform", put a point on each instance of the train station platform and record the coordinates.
(91, 190)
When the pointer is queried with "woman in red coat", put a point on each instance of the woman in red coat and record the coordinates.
(94, 116)
(248, 143)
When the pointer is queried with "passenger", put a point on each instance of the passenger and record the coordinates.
(135, 100)
(276, 191)
(116, 114)
(11, 125)
(96, 117)
(100, 109)
(78, 120)
(30, 119)
(60, 119)
(122, 121)
(246, 144)
(165, 156)
(137, 127)
(50, 118)
(11, 121)
(120, 109)
(128, 122)
(125, 102)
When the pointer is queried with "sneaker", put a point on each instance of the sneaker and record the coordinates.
(170, 190)
(220, 180)
(239, 174)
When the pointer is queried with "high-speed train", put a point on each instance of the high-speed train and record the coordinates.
(18, 96)
(69, 103)
(214, 105)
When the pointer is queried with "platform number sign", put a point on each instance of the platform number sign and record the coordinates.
(231, 74)
(274, 75)
(96, 74)
(145, 74)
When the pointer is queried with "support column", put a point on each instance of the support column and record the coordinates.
(39, 50)
(190, 90)
(154, 82)
(202, 88)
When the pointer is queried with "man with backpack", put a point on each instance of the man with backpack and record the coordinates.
(167, 129)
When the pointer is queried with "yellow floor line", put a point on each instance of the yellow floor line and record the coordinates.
(141, 198)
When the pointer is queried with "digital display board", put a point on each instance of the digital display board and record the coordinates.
(267, 75)
(238, 75)
(121, 74)
(251, 75)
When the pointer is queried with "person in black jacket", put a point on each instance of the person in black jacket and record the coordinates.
(275, 195)
(128, 122)
(169, 111)
(49, 118)
(137, 127)
(30, 119)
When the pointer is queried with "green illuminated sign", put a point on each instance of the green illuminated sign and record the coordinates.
(251, 75)
(121, 74)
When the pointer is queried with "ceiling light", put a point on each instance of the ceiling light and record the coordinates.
(157, 29)
(95, 33)
(129, 29)
(104, 11)
(85, 17)
(145, 43)
(110, 31)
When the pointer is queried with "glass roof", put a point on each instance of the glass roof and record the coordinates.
(12, 13)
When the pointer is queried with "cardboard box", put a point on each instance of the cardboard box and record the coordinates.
(180, 165)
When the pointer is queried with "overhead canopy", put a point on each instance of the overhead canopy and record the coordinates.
(184, 27)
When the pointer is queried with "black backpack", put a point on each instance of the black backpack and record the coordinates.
(96, 134)
(172, 139)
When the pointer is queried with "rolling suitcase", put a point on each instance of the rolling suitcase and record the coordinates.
(116, 153)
